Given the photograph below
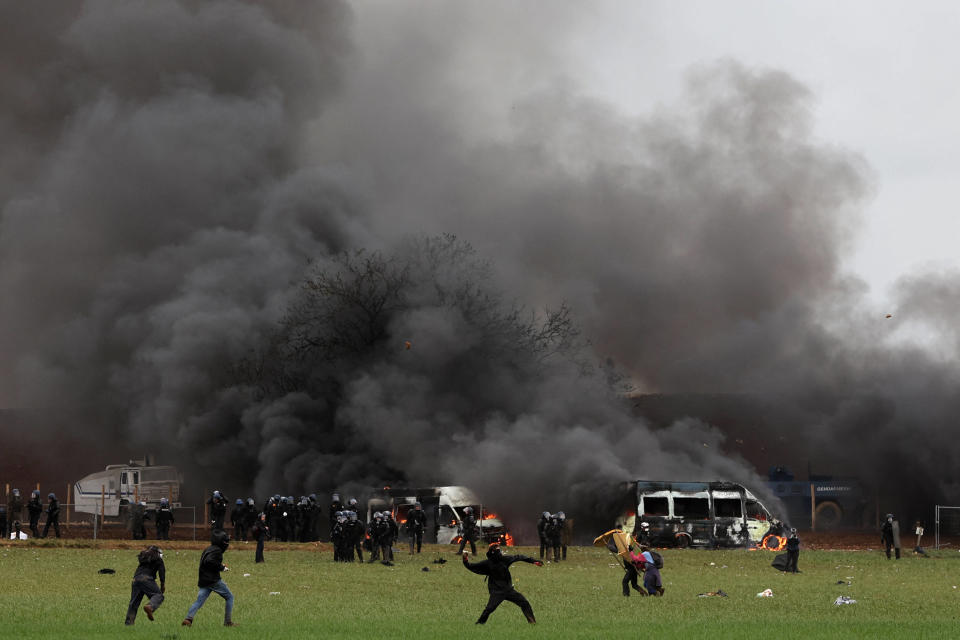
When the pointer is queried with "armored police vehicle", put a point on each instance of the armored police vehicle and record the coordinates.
(120, 485)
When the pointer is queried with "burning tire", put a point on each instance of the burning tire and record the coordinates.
(774, 543)
(682, 540)
(829, 515)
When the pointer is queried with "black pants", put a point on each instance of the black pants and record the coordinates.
(416, 538)
(259, 556)
(239, 533)
(463, 544)
(555, 545)
(792, 557)
(513, 596)
(56, 528)
(163, 531)
(34, 525)
(888, 544)
(143, 586)
(543, 546)
(630, 579)
(358, 547)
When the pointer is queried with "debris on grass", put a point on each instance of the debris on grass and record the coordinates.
(106, 571)
(274, 593)
(844, 600)
(712, 594)
(766, 593)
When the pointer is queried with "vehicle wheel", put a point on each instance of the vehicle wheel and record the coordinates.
(682, 540)
(829, 515)
(771, 542)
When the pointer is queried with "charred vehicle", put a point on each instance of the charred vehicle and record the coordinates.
(697, 514)
(120, 485)
(444, 510)
(837, 501)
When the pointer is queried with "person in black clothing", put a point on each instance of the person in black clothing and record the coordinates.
(14, 511)
(416, 523)
(354, 531)
(237, 516)
(218, 510)
(163, 518)
(542, 531)
(260, 530)
(211, 564)
(35, 508)
(793, 551)
(138, 514)
(499, 583)
(250, 517)
(469, 531)
(553, 533)
(335, 506)
(890, 534)
(145, 583)
(53, 516)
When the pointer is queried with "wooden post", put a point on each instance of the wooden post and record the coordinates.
(103, 501)
(813, 507)
(68, 505)
(38, 486)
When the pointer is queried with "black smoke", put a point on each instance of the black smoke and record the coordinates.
(173, 171)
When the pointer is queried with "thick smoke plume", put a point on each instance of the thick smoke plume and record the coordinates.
(174, 172)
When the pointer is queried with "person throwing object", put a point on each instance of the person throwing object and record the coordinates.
(145, 584)
(499, 583)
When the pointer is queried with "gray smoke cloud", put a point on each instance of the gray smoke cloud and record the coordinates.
(172, 169)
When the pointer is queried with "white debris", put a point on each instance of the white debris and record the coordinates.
(844, 600)
(766, 593)
(274, 593)
(246, 575)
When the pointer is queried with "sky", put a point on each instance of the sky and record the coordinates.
(881, 74)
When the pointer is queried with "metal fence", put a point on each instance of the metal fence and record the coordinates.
(947, 521)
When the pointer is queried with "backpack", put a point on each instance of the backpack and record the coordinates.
(657, 559)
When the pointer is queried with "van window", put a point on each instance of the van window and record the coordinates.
(136, 477)
(727, 507)
(655, 506)
(755, 511)
(697, 508)
(123, 478)
(447, 517)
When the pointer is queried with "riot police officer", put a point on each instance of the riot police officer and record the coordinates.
(14, 511)
(163, 518)
(416, 523)
(553, 533)
(138, 514)
(354, 531)
(218, 510)
(34, 509)
(541, 531)
(250, 517)
(469, 532)
(237, 515)
(335, 505)
(53, 515)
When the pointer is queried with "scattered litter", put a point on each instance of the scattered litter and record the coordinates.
(844, 600)
(425, 569)
(246, 575)
(846, 582)
(712, 594)
(713, 564)
(440, 561)
(106, 571)
(766, 593)
(274, 593)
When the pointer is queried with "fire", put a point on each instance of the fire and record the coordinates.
(489, 516)
(774, 543)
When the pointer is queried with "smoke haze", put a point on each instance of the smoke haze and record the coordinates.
(172, 171)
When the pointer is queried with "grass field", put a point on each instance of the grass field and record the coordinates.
(57, 592)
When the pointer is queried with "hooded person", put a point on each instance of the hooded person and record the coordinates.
(209, 581)
(145, 583)
(890, 534)
(499, 582)
(260, 531)
(542, 531)
(218, 510)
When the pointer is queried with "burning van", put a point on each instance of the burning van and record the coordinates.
(443, 507)
(697, 514)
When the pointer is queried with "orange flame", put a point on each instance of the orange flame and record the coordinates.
(774, 543)
(509, 539)
(489, 516)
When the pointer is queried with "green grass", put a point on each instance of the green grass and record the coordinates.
(56, 592)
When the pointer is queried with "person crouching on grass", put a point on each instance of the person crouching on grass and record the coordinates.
(499, 583)
(145, 583)
(211, 564)
(652, 581)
